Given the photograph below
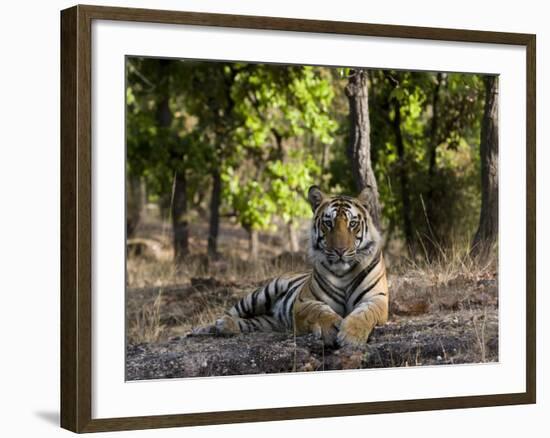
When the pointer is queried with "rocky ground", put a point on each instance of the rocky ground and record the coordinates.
(448, 338)
(440, 314)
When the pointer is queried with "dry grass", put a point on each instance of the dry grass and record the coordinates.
(156, 267)
(188, 299)
(451, 279)
(164, 301)
(447, 264)
(480, 326)
(144, 272)
(146, 324)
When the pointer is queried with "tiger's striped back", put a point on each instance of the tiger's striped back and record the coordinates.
(273, 302)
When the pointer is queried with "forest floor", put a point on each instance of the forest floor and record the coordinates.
(440, 314)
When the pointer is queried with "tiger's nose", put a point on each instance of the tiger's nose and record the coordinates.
(340, 251)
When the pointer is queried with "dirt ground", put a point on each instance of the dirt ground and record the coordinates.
(440, 314)
(414, 342)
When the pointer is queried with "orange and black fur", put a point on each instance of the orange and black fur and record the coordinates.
(341, 299)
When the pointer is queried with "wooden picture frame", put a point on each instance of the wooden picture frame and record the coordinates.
(76, 217)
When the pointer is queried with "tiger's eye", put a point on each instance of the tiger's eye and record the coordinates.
(353, 224)
(327, 223)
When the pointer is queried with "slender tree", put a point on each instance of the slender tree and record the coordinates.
(134, 203)
(215, 202)
(433, 136)
(396, 98)
(359, 151)
(403, 177)
(180, 224)
(487, 232)
(178, 207)
(210, 99)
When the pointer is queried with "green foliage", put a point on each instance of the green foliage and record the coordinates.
(444, 194)
(290, 182)
(276, 107)
(279, 191)
(248, 199)
(271, 131)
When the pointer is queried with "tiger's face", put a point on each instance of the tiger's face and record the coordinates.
(342, 232)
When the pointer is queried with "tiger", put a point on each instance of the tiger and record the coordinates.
(341, 299)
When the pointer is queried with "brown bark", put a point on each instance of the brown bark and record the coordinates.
(487, 232)
(253, 244)
(215, 201)
(180, 225)
(324, 159)
(359, 151)
(134, 204)
(293, 238)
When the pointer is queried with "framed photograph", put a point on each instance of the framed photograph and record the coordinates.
(259, 212)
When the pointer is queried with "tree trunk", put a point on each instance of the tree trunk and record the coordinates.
(359, 151)
(324, 159)
(180, 225)
(215, 201)
(164, 115)
(134, 204)
(487, 232)
(292, 237)
(179, 190)
(403, 178)
(143, 191)
(431, 215)
(434, 142)
(253, 244)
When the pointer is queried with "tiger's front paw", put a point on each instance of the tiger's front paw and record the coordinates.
(224, 326)
(354, 331)
(326, 328)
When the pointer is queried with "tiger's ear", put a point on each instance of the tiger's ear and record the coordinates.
(315, 196)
